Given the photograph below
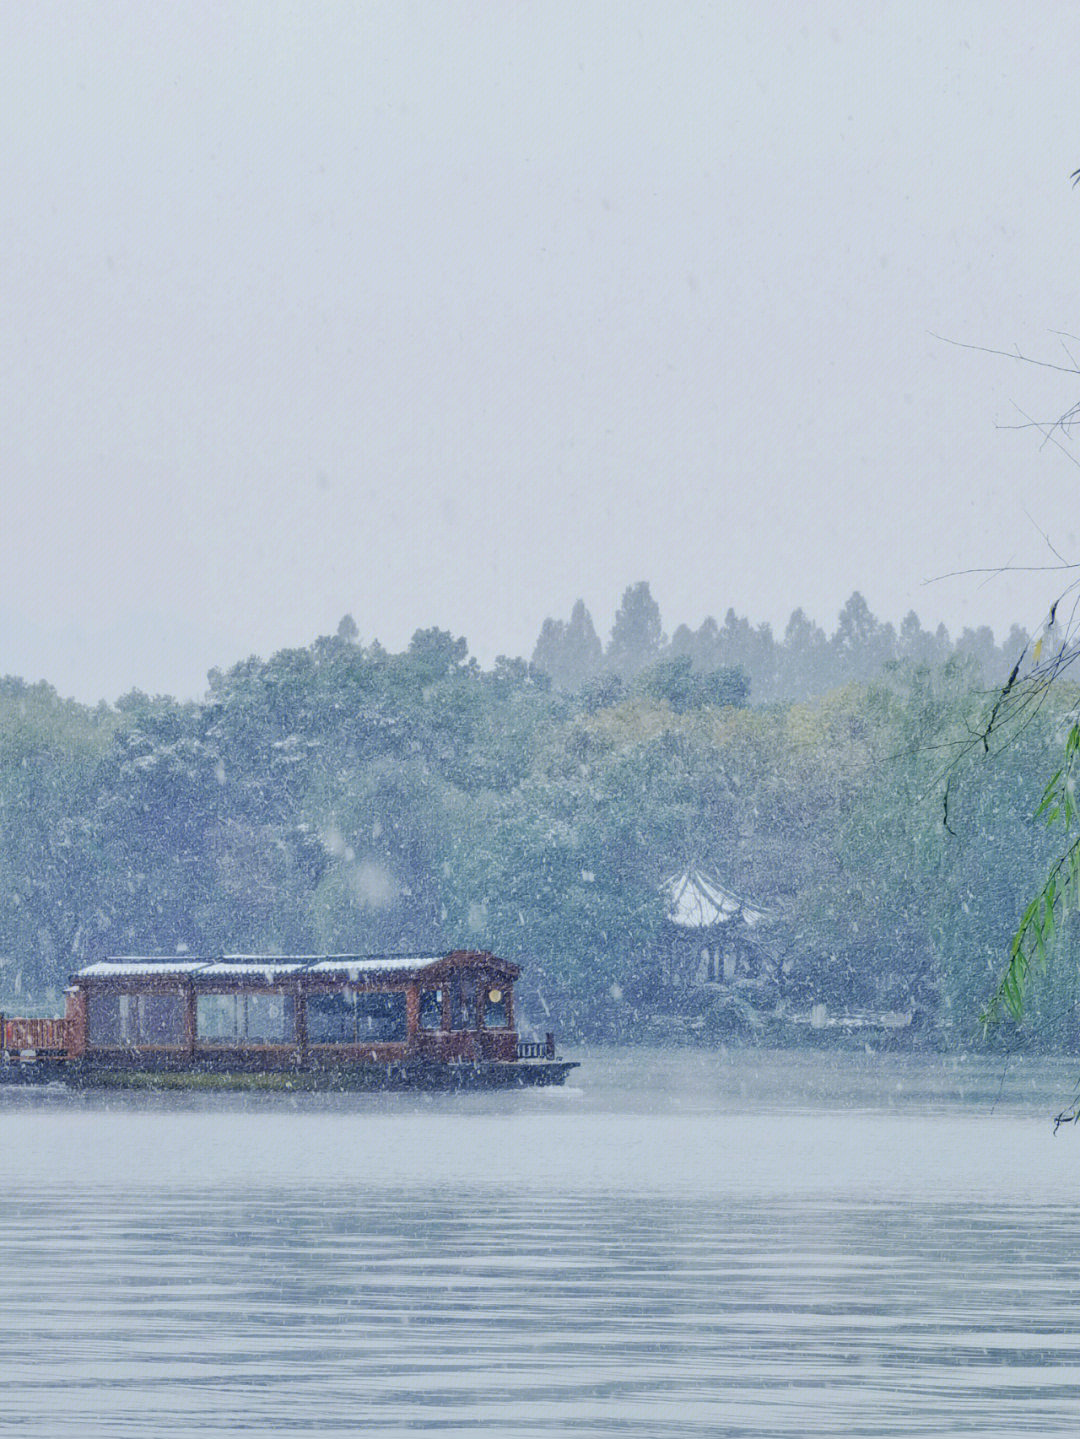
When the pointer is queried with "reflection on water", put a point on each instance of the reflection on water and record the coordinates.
(751, 1245)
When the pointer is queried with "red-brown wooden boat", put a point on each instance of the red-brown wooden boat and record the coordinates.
(286, 1021)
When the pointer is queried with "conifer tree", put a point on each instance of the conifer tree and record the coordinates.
(569, 653)
(637, 636)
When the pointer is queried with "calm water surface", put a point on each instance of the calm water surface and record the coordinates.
(750, 1245)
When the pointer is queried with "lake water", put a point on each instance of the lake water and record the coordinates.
(685, 1245)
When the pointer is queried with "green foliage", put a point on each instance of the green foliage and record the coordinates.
(339, 797)
(1056, 898)
(676, 681)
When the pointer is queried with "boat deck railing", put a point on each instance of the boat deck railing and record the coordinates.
(537, 1049)
(40, 1036)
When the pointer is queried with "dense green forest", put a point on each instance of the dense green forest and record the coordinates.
(343, 798)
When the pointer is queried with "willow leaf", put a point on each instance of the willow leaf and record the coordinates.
(1049, 794)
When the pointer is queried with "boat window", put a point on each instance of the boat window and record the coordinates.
(135, 1019)
(103, 1018)
(245, 1018)
(431, 1009)
(269, 1019)
(217, 1017)
(495, 1008)
(345, 1018)
(380, 1016)
(159, 1019)
(330, 1018)
(463, 1005)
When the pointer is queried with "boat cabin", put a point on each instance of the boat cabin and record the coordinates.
(282, 1012)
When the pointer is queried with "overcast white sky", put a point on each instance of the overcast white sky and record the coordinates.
(450, 313)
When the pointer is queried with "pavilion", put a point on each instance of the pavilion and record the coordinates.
(709, 932)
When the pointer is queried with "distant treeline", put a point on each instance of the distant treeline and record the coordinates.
(342, 798)
(803, 663)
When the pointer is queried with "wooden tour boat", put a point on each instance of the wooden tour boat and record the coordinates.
(289, 1022)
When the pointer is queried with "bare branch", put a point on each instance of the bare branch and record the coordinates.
(1047, 433)
(1008, 355)
(1009, 569)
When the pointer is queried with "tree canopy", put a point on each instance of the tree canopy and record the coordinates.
(339, 796)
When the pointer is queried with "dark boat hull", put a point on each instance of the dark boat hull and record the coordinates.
(405, 1075)
(32, 1071)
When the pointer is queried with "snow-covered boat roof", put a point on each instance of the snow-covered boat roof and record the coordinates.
(243, 966)
(698, 901)
(371, 963)
(228, 968)
(107, 968)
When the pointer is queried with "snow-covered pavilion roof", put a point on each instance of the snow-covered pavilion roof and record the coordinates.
(699, 901)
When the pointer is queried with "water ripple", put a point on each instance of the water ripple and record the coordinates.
(333, 1287)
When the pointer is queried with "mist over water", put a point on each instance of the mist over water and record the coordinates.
(744, 1244)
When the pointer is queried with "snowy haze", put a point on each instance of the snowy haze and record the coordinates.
(448, 314)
